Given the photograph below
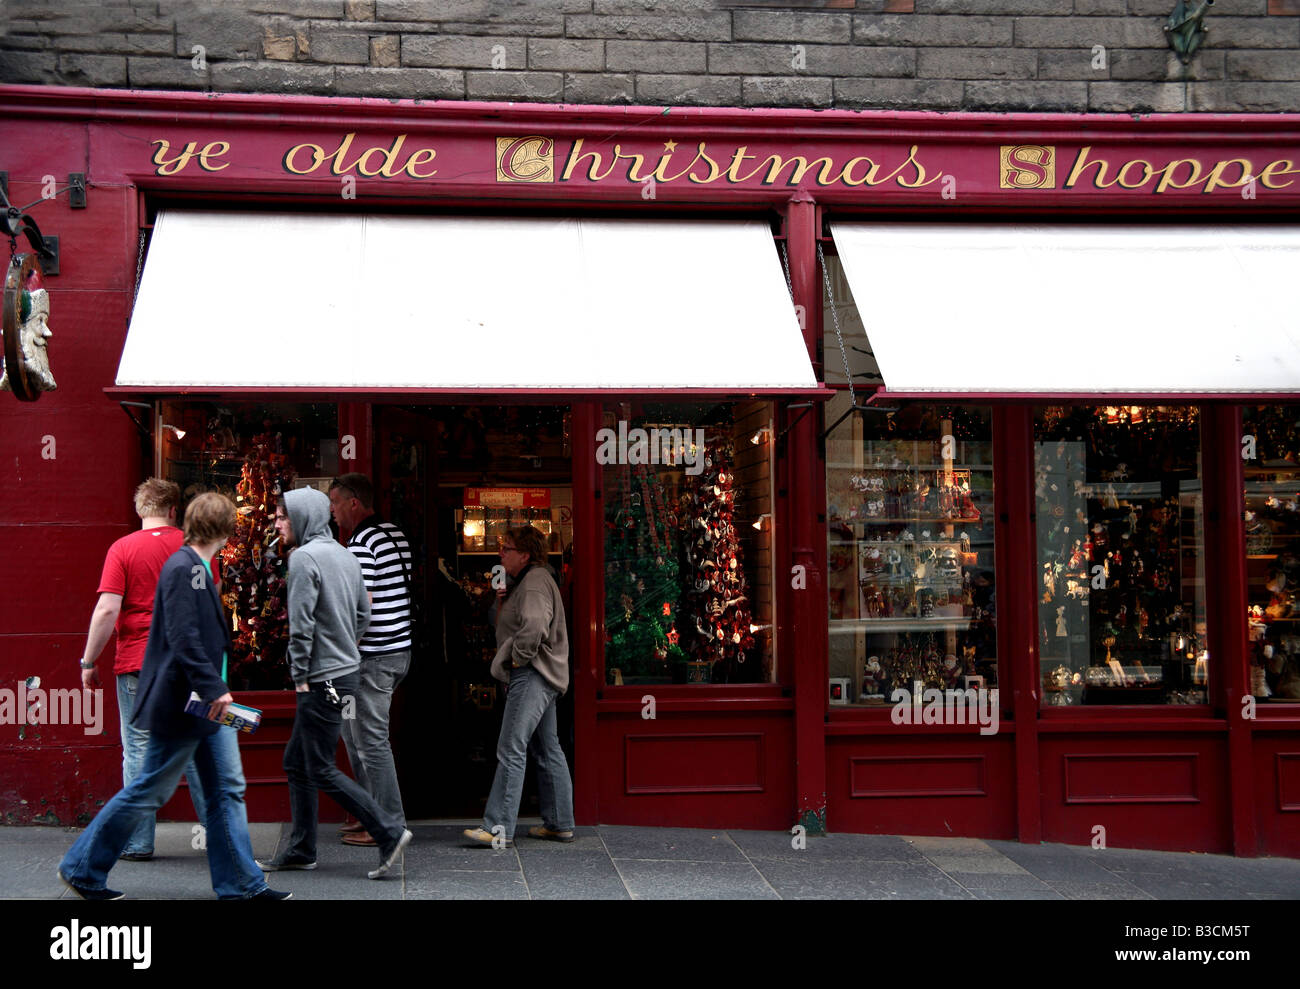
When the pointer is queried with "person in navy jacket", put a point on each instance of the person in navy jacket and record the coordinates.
(187, 653)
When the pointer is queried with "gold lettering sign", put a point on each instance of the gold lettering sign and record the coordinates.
(525, 159)
(1028, 166)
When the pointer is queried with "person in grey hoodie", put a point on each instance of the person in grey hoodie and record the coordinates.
(328, 612)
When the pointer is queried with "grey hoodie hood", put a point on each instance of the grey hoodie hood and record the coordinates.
(309, 514)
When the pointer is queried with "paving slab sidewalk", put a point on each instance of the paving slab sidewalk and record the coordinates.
(620, 863)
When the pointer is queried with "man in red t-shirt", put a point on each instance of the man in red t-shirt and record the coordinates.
(126, 593)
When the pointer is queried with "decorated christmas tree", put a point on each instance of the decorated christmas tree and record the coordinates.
(716, 604)
(642, 586)
(253, 573)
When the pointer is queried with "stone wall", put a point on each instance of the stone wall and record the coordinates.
(1015, 55)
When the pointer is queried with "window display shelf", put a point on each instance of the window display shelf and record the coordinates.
(847, 626)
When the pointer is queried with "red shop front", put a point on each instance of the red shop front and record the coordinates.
(905, 473)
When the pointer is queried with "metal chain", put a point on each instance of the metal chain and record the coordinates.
(835, 318)
(139, 270)
(789, 282)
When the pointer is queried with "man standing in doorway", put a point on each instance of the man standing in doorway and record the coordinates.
(126, 596)
(385, 557)
(328, 612)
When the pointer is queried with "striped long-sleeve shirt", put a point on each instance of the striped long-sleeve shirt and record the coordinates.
(385, 557)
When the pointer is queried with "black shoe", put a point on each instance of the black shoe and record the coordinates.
(285, 865)
(271, 894)
(137, 857)
(86, 893)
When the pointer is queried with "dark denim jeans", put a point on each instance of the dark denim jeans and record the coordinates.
(235, 874)
(309, 764)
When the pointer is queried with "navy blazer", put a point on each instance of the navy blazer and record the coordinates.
(187, 636)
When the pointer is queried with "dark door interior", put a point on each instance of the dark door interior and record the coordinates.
(429, 461)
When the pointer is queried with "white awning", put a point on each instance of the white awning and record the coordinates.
(1073, 309)
(293, 301)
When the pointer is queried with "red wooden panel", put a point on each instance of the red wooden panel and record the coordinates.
(947, 775)
(1287, 766)
(90, 240)
(914, 784)
(712, 762)
(712, 770)
(1276, 764)
(1150, 777)
(1163, 790)
(49, 586)
(49, 147)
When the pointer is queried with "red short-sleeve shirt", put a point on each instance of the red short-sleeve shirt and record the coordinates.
(131, 569)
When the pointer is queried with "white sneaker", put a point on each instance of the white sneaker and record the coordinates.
(387, 863)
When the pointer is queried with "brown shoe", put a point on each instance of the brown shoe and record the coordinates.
(360, 838)
(352, 827)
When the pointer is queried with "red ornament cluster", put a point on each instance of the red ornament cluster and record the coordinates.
(253, 573)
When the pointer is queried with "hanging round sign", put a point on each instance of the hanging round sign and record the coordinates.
(26, 314)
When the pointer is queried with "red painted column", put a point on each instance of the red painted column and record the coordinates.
(1225, 603)
(806, 642)
(588, 603)
(356, 436)
(1017, 580)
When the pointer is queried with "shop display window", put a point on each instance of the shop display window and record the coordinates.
(251, 453)
(1121, 571)
(687, 493)
(1271, 461)
(910, 557)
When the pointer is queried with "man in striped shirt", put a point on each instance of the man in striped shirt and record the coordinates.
(387, 566)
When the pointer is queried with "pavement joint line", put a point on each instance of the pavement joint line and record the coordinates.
(766, 883)
(614, 862)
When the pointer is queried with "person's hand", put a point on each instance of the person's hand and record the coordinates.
(89, 678)
(218, 708)
(301, 688)
(501, 592)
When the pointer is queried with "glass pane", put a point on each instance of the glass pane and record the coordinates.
(910, 528)
(1121, 586)
(688, 536)
(251, 453)
(1271, 451)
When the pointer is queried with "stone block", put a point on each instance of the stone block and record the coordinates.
(1030, 97)
(415, 84)
(602, 88)
(573, 56)
(458, 51)
(656, 56)
(788, 25)
(982, 63)
(687, 90)
(787, 91)
(898, 94)
(537, 87)
(696, 27)
(272, 77)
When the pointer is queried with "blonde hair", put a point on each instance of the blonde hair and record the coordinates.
(209, 517)
(156, 497)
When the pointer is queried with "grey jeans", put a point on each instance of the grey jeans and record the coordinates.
(366, 735)
(528, 727)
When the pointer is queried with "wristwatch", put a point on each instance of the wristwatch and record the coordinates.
(87, 666)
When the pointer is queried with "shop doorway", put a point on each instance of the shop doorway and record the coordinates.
(454, 478)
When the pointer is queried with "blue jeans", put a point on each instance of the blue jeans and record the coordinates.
(235, 874)
(134, 742)
(528, 728)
